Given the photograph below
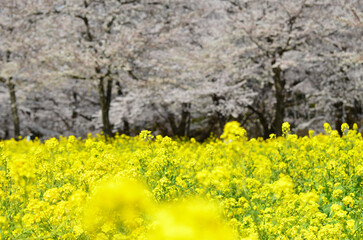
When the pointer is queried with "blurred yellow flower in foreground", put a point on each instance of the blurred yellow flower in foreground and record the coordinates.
(117, 206)
(190, 219)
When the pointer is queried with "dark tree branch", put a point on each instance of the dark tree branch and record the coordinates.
(89, 36)
(127, 2)
(75, 77)
(109, 24)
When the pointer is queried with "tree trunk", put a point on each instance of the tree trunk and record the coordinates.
(126, 129)
(339, 116)
(105, 102)
(183, 128)
(279, 83)
(14, 108)
(263, 121)
(206, 132)
(185, 116)
(173, 126)
(221, 118)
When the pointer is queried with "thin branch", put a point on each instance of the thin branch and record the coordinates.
(109, 24)
(257, 43)
(355, 15)
(88, 29)
(88, 118)
(75, 77)
(127, 2)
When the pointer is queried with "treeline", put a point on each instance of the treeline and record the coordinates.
(180, 68)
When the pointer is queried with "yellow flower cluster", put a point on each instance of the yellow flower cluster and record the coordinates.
(148, 187)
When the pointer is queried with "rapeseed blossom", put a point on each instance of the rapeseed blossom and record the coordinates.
(190, 219)
(155, 187)
(285, 128)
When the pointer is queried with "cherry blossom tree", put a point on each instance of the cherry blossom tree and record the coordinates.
(179, 67)
(19, 46)
(191, 86)
(280, 41)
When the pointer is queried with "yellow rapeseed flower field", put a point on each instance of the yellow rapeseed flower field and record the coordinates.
(157, 188)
